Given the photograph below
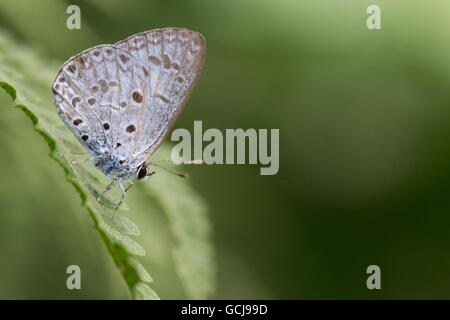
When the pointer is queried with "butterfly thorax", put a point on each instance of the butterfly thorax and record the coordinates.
(115, 168)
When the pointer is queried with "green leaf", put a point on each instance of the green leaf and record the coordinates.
(187, 216)
(27, 79)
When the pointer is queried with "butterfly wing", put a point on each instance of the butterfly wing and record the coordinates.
(100, 95)
(174, 58)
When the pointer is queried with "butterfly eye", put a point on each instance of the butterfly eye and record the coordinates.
(142, 173)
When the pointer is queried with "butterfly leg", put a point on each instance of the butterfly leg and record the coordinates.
(81, 161)
(79, 153)
(124, 193)
(109, 187)
(131, 184)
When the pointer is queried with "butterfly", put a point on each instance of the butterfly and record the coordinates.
(121, 100)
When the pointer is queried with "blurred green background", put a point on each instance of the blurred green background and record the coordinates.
(364, 119)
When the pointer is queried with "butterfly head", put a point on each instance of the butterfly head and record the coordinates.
(143, 172)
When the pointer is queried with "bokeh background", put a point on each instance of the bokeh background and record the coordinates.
(364, 119)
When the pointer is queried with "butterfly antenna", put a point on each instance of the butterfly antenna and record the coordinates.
(188, 162)
(180, 174)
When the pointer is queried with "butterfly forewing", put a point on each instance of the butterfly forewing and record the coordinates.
(101, 95)
(174, 59)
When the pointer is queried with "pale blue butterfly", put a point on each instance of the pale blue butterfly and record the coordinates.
(121, 100)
